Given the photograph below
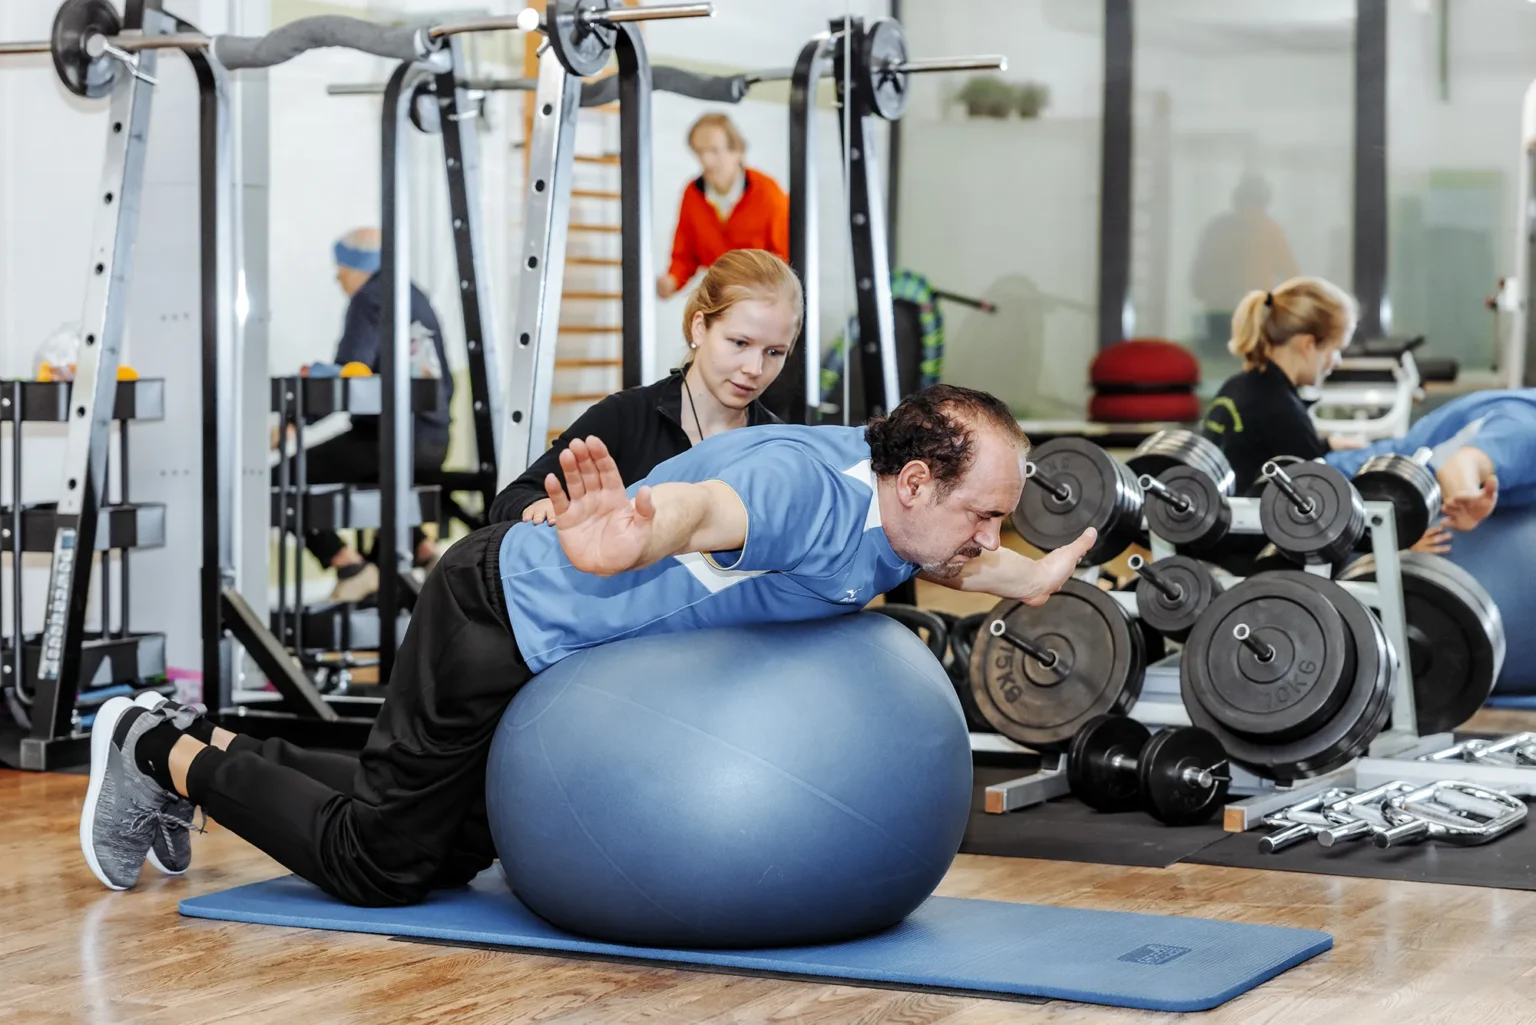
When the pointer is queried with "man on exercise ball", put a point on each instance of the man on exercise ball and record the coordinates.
(353, 458)
(766, 524)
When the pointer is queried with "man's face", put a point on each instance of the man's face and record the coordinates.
(952, 529)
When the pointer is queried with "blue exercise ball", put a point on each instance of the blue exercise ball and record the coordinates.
(1501, 555)
(758, 786)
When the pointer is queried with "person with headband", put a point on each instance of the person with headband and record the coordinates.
(740, 324)
(353, 458)
(729, 206)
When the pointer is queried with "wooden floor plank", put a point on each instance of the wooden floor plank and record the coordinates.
(71, 952)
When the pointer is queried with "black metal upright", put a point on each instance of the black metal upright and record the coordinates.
(1116, 171)
(1370, 246)
(639, 279)
(461, 155)
(866, 219)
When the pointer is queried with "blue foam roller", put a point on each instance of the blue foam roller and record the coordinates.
(745, 787)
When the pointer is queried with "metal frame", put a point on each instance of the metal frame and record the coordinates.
(638, 274)
(1370, 179)
(541, 269)
(1116, 173)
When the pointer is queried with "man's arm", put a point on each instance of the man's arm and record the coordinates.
(1008, 574)
(707, 517)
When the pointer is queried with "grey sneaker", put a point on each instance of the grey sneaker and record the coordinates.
(171, 852)
(123, 806)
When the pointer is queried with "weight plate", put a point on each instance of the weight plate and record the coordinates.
(1173, 617)
(1455, 637)
(1096, 491)
(1329, 531)
(885, 49)
(1101, 663)
(1101, 763)
(1411, 488)
(75, 23)
(962, 638)
(1165, 792)
(1270, 557)
(927, 625)
(1169, 448)
(581, 47)
(1365, 673)
(1200, 526)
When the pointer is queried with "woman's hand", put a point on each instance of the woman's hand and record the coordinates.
(1436, 540)
(542, 511)
(666, 288)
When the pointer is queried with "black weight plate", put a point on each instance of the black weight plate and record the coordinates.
(927, 625)
(1357, 720)
(1455, 637)
(581, 47)
(1203, 524)
(1102, 661)
(1174, 618)
(1270, 557)
(1092, 772)
(1304, 681)
(1177, 447)
(1165, 793)
(1102, 494)
(76, 22)
(1326, 534)
(1409, 486)
(962, 638)
(885, 48)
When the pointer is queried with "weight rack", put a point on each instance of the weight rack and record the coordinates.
(1161, 702)
(53, 721)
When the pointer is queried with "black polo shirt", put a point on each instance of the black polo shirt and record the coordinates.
(1257, 416)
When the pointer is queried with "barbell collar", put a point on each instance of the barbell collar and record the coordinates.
(1060, 492)
(1282, 480)
(1046, 657)
(1171, 591)
(921, 65)
(1244, 636)
(1152, 486)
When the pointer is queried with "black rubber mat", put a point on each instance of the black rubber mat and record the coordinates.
(1068, 830)
(1507, 863)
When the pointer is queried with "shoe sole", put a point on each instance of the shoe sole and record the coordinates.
(101, 744)
(153, 699)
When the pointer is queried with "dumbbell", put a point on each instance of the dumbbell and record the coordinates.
(1074, 484)
(1179, 776)
(1311, 512)
(1187, 508)
(1409, 484)
(1172, 592)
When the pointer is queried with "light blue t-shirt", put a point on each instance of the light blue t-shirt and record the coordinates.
(1502, 423)
(815, 548)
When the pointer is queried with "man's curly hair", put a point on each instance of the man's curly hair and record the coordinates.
(936, 426)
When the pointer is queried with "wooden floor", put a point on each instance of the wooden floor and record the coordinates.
(71, 951)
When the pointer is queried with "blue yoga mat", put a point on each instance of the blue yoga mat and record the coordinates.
(1154, 962)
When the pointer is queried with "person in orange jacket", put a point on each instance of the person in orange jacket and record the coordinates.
(729, 206)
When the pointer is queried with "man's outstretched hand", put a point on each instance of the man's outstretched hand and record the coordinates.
(1053, 570)
(601, 530)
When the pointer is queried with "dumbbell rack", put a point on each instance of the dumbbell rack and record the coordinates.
(1161, 702)
(326, 637)
(114, 660)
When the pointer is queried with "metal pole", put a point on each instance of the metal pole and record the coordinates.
(461, 157)
(639, 278)
(91, 404)
(541, 270)
(1115, 185)
(1370, 248)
